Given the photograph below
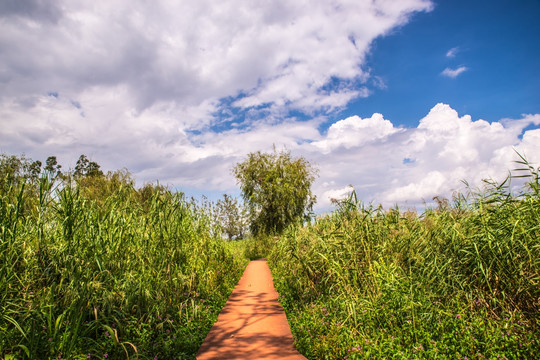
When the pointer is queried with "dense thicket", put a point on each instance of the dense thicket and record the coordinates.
(461, 281)
(91, 267)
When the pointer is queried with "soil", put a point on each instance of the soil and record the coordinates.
(252, 325)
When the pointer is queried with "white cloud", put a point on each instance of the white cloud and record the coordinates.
(427, 186)
(452, 52)
(453, 73)
(134, 80)
(141, 84)
(383, 163)
(337, 194)
(274, 52)
(412, 165)
(354, 132)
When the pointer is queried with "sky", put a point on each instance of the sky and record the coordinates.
(400, 100)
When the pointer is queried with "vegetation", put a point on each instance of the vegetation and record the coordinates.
(460, 281)
(276, 189)
(232, 217)
(92, 268)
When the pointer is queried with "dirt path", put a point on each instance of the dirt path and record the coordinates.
(252, 325)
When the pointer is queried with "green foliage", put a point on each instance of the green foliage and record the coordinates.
(95, 268)
(232, 217)
(460, 281)
(277, 190)
(17, 169)
(52, 168)
(259, 247)
(85, 167)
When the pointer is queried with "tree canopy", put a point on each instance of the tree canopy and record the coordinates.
(276, 188)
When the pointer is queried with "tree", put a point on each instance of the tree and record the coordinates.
(277, 190)
(231, 217)
(52, 167)
(85, 167)
(15, 170)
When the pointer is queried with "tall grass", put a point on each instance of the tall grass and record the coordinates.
(460, 281)
(96, 272)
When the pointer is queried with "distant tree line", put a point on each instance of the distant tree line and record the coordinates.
(228, 215)
(276, 189)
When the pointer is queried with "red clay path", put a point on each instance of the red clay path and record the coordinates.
(252, 325)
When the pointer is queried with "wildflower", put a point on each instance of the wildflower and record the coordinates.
(106, 355)
(88, 356)
(458, 316)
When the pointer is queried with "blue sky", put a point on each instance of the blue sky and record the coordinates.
(497, 41)
(400, 99)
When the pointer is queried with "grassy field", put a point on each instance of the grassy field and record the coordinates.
(458, 282)
(96, 269)
(93, 268)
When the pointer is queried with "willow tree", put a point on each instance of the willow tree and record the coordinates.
(276, 188)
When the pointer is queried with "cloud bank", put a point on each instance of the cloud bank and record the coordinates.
(181, 91)
(196, 58)
(385, 164)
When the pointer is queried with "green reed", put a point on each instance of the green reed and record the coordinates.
(459, 281)
(90, 271)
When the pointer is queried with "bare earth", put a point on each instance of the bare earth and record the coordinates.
(252, 325)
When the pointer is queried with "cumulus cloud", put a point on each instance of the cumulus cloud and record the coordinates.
(272, 53)
(354, 132)
(445, 149)
(454, 73)
(383, 163)
(409, 166)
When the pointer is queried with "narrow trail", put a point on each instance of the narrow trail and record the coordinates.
(252, 324)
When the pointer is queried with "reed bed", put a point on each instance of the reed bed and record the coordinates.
(104, 271)
(460, 281)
